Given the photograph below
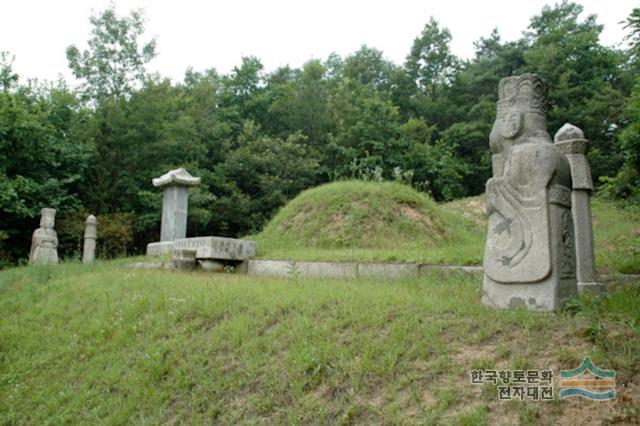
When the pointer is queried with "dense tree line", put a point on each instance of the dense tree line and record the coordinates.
(258, 138)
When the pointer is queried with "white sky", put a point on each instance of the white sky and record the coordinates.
(216, 34)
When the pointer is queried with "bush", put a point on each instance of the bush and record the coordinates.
(115, 234)
(70, 230)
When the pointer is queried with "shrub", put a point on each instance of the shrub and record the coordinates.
(115, 234)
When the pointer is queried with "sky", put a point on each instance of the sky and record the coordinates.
(217, 33)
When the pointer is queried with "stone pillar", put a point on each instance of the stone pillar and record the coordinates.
(175, 202)
(571, 141)
(90, 237)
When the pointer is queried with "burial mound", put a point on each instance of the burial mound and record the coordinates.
(373, 215)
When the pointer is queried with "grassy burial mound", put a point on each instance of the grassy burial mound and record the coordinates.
(383, 221)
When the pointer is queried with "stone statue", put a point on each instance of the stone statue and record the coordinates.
(90, 237)
(529, 258)
(44, 242)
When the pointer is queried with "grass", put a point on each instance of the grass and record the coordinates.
(111, 345)
(390, 222)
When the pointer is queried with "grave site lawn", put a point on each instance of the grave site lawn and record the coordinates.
(104, 344)
(391, 222)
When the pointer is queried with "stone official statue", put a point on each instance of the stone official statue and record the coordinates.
(529, 256)
(44, 242)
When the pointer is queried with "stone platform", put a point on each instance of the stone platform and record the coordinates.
(207, 248)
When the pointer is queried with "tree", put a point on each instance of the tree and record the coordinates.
(7, 77)
(44, 157)
(368, 66)
(626, 183)
(366, 133)
(430, 62)
(472, 98)
(257, 178)
(584, 77)
(115, 62)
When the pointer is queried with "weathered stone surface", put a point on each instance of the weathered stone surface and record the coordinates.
(177, 177)
(90, 237)
(529, 255)
(175, 207)
(571, 140)
(44, 241)
(211, 265)
(184, 258)
(218, 247)
(283, 268)
(424, 269)
(175, 202)
(159, 248)
(387, 270)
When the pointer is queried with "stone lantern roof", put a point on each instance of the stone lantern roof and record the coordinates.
(177, 177)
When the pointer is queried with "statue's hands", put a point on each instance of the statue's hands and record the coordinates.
(492, 193)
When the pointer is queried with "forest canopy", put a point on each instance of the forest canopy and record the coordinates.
(258, 138)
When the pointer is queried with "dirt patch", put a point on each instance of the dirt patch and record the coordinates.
(475, 210)
(337, 222)
(297, 221)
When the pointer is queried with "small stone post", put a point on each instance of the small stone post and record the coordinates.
(572, 142)
(175, 202)
(90, 237)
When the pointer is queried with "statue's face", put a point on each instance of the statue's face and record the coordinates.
(508, 126)
(47, 222)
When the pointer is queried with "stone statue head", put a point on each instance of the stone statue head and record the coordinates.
(47, 218)
(521, 111)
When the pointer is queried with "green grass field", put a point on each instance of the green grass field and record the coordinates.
(104, 344)
(390, 222)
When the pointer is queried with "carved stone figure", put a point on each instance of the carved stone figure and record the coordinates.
(44, 242)
(90, 237)
(571, 141)
(529, 258)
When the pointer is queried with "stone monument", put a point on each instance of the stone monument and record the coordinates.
(571, 141)
(90, 237)
(175, 202)
(44, 242)
(529, 258)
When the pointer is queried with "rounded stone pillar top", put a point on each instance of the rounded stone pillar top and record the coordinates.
(177, 177)
(570, 139)
(91, 220)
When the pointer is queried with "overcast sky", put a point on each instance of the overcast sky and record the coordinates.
(216, 34)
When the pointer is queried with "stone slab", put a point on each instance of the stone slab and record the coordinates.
(160, 248)
(284, 268)
(387, 270)
(425, 269)
(218, 247)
